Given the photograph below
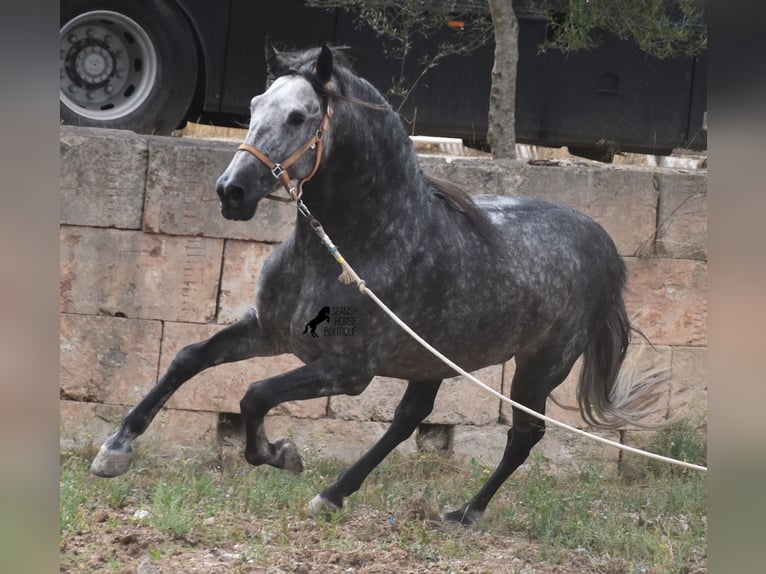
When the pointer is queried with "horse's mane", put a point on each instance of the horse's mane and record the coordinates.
(301, 63)
(460, 200)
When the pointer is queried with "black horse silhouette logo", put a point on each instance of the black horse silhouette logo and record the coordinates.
(323, 315)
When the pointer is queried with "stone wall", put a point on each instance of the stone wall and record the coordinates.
(148, 265)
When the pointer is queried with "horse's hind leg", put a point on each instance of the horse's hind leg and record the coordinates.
(236, 342)
(532, 383)
(416, 404)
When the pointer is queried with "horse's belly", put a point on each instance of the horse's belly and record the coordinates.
(477, 341)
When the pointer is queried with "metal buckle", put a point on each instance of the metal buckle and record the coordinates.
(302, 209)
(277, 170)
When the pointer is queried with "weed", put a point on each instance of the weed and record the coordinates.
(75, 497)
(155, 553)
(681, 441)
(601, 514)
(115, 565)
(657, 520)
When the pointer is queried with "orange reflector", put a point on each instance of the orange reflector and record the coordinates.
(456, 24)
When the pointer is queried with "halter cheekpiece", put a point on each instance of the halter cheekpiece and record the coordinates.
(279, 170)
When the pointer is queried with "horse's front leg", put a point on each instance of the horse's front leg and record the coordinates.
(328, 375)
(236, 342)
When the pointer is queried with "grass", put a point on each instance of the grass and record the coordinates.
(658, 521)
(655, 520)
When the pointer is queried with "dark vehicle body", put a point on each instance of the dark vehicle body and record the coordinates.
(208, 62)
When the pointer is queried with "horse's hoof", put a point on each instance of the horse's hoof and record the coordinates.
(110, 463)
(464, 516)
(320, 506)
(287, 456)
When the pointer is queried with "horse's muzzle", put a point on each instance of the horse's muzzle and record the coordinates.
(232, 200)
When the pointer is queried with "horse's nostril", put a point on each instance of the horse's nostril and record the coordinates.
(234, 195)
(230, 194)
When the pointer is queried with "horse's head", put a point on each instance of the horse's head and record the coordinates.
(285, 125)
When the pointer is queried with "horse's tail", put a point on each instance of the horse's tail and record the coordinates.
(611, 393)
(306, 328)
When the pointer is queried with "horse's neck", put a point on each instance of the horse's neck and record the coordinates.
(372, 174)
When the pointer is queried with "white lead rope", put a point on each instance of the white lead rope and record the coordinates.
(350, 276)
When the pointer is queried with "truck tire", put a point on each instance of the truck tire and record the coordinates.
(126, 64)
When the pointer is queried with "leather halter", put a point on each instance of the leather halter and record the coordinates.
(279, 170)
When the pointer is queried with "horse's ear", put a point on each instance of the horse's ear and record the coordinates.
(273, 61)
(324, 65)
(277, 63)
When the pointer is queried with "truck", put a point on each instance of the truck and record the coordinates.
(152, 65)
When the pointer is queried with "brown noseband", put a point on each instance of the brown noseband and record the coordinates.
(279, 170)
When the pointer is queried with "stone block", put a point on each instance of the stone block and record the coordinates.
(560, 452)
(459, 400)
(667, 300)
(682, 227)
(186, 434)
(377, 403)
(325, 438)
(178, 434)
(242, 265)
(144, 276)
(181, 197)
(485, 444)
(625, 204)
(688, 398)
(86, 424)
(108, 359)
(570, 186)
(622, 201)
(566, 453)
(462, 402)
(474, 175)
(220, 388)
(102, 177)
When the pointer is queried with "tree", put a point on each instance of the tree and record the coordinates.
(401, 22)
(501, 135)
(662, 28)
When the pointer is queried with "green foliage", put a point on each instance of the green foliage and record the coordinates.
(658, 521)
(661, 28)
(80, 493)
(175, 509)
(75, 498)
(682, 441)
(401, 22)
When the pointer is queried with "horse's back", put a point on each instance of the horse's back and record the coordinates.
(557, 255)
(538, 227)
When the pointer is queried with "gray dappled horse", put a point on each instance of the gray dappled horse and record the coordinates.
(482, 280)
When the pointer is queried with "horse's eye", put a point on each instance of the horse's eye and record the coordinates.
(296, 118)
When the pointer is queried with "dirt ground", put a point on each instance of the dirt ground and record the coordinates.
(361, 544)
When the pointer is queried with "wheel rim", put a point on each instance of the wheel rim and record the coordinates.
(108, 65)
